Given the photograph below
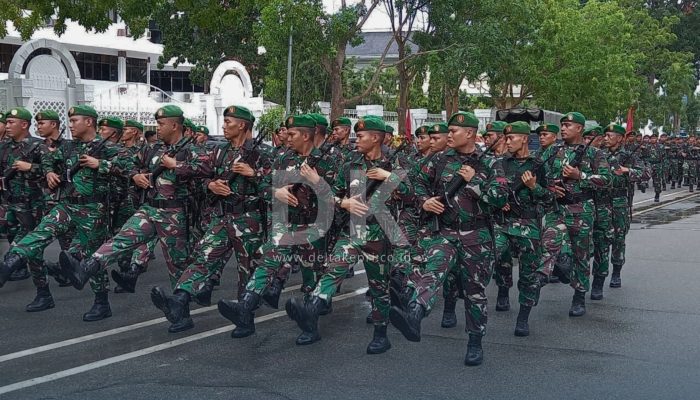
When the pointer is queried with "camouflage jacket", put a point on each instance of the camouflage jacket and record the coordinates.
(18, 186)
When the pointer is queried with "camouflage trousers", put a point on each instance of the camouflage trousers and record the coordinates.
(530, 267)
(302, 243)
(18, 219)
(620, 225)
(374, 255)
(471, 255)
(657, 176)
(149, 223)
(239, 234)
(676, 170)
(553, 238)
(602, 236)
(579, 224)
(690, 171)
(142, 254)
(90, 229)
(404, 256)
(503, 270)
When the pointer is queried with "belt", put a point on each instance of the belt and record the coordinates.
(299, 220)
(575, 198)
(474, 225)
(83, 200)
(16, 199)
(166, 203)
(238, 207)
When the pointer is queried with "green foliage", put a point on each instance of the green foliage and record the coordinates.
(269, 121)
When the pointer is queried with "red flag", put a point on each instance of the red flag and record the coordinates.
(408, 125)
(630, 120)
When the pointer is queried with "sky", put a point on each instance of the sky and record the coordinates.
(378, 21)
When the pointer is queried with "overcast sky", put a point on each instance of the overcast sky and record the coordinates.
(378, 21)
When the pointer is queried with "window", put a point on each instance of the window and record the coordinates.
(7, 51)
(174, 81)
(100, 67)
(136, 70)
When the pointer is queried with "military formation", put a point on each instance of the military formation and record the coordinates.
(447, 211)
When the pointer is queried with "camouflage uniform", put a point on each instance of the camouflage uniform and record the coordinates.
(655, 158)
(690, 163)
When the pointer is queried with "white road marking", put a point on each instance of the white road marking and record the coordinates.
(112, 332)
(660, 197)
(148, 350)
(665, 204)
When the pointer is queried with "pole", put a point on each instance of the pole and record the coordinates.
(289, 75)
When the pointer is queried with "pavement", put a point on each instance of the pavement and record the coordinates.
(639, 342)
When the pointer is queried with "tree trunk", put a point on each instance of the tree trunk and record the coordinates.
(336, 77)
(451, 99)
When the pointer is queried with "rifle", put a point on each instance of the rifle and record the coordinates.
(160, 169)
(630, 190)
(92, 153)
(313, 161)
(10, 172)
(247, 157)
(575, 162)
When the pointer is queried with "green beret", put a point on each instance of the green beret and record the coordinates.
(615, 128)
(575, 117)
(169, 111)
(594, 130)
(240, 113)
(187, 123)
(439, 128)
(496, 126)
(389, 129)
(370, 123)
(19, 113)
(130, 123)
(422, 130)
(464, 119)
(112, 122)
(342, 121)
(551, 128)
(83, 110)
(203, 129)
(48, 115)
(300, 121)
(320, 119)
(517, 127)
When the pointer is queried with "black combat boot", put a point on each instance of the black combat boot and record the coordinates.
(306, 316)
(327, 308)
(351, 272)
(272, 293)
(20, 274)
(578, 304)
(78, 272)
(203, 297)
(43, 300)
(563, 268)
(615, 280)
(241, 313)
(597, 288)
(368, 318)
(663, 187)
(449, 317)
(475, 354)
(408, 322)
(54, 270)
(502, 301)
(176, 308)
(127, 279)
(100, 309)
(521, 325)
(380, 343)
(12, 263)
(656, 197)
(673, 185)
(690, 188)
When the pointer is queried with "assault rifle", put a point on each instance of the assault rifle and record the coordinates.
(93, 152)
(160, 169)
(10, 172)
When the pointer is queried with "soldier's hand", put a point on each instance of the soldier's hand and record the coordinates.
(506, 208)
(89, 162)
(282, 194)
(354, 206)
(142, 181)
(168, 162)
(243, 169)
(378, 174)
(220, 187)
(53, 180)
(621, 171)
(571, 172)
(529, 179)
(22, 165)
(558, 191)
(310, 174)
(467, 172)
(434, 205)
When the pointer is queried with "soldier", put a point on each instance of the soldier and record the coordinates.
(422, 141)
(81, 208)
(573, 186)
(298, 235)
(22, 197)
(522, 219)
(279, 140)
(201, 135)
(463, 238)
(675, 163)
(372, 243)
(151, 137)
(690, 167)
(655, 159)
(162, 216)
(341, 133)
(626, 169)
(237, 182)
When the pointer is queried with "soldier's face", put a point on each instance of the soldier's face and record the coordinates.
(459, 136)
(298, 138)
(16, 127)
(490, 138)
(366, 141)
(45, 128)
(423, 143)
(515, 142)
(571, 131)
(438, 142)
(547, 138)
(233, 128)
(107, 132)
(340, 133)
(612, 140)
(129, 134)
(200, 138)
(78, 125)
(167, 129)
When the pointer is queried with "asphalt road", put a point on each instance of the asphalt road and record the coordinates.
(640, 342)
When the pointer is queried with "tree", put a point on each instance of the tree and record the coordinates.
(270, 120)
